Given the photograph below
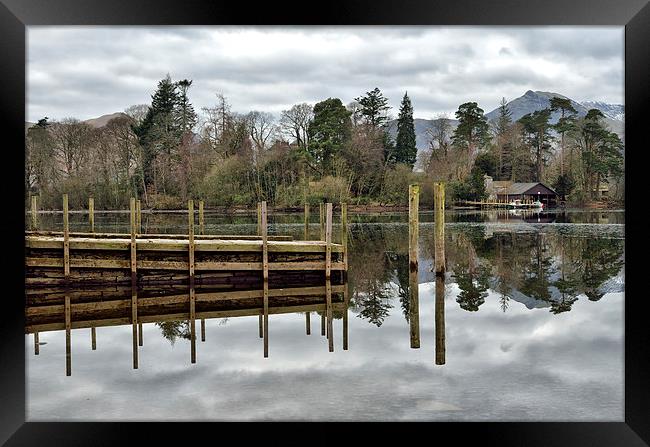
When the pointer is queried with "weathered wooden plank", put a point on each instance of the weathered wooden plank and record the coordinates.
(66, 237)
(91, 214)
(161, 235)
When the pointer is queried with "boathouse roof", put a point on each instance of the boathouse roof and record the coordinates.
(522, 188)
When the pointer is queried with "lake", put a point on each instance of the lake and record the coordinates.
(527, 325)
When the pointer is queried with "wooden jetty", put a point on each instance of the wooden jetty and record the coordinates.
(75, 258)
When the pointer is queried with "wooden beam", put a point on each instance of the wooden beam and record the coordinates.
(414, 314)
(66, 238)
(265, 269)
(91, 213)
(439, 231)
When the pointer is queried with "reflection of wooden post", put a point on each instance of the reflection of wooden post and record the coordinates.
(192, 324)
(66, 239)
(91, 213)
(265, 269)
(414, 313)
(261, 323)
(345, 318)
(133, 246)
(134, 322)
(306, 221)
(322, 221)
(308, 323)
(36, 346)
(190, 244)
(93, 338)
(344, 234)
(440, 320)
(328, 274)
(202, 329)
(140, 340)
(322, 324)
(439, 219)
(68, 353)
(34, 211)
(201, 218)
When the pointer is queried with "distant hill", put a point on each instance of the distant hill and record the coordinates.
(612, 111)
(104, 119)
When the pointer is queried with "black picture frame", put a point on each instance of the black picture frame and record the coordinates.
(15, 15)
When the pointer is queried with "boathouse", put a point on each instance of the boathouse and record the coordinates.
(506, 190)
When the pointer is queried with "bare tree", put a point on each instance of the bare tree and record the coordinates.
(295, 122)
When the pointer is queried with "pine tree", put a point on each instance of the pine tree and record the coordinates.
(503, 124)
(471, 133)
(186, 116)
(374, 107)
(405, 149)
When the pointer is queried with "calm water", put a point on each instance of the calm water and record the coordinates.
(533, 324)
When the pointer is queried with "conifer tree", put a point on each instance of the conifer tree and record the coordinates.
(405, 149)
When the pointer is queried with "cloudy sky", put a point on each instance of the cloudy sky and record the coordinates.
(85, 72)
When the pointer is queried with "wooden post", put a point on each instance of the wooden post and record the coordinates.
(68, 323)
(322, 324)
(414, 314)
(440, 320)
(93, 339)
(34, 214)
(439, 219)
(202, 329)
(190, 244)
(265, 268)
(308, 323)
(36, 345)
(306, 221)
(134, 310)
(259, 218)
(138, 207)
(66, 239)
(344, 235)
(140, 340)
(91, 213)
(133, 244)
(201, 219)
(322, 221)
(261, 324)
(328, 274)
(192, 323)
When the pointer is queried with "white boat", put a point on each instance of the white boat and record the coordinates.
(537, 204)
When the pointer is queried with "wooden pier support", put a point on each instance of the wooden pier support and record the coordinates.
(66, 238)
(36, 345)
(308, 323)
(201, 218)
(68, 324)
(265, 270)
(328, 274)
(192, 297)
(34, 214)
(414, 313)
(439, 219)
(133, 245)
(306, 237)
(91, 214)
(440, 320)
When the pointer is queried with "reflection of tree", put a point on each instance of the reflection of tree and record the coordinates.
(172, 330)
(536, 281)
(401, 263)
(473, 285)
(602, 260)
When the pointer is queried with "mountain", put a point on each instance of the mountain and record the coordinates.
(421, 128)
(532, 101)
(612, 111)
(104, 119)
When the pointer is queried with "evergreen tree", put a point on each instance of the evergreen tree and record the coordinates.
(405, 149)
(536, 129)
(565, 123)
(503, 148)
(185, 115)
(472, 132)
(328, 132)
(373, 108)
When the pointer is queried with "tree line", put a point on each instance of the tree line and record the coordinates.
(165, 152)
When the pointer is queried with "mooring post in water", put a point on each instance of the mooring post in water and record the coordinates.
(133, 245)
(134, 318)
(306, 221)
(439, 219)
(322, 221)
(201, 219)
(34, 214)
(36, 346)
(265, 269)
(138, 207)
(93, 339)
(308, 323)
(414, 313)
(328, 273)
(66, 239)
(68, 325)
(190, 240)
(440, 320)
(91, 213)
